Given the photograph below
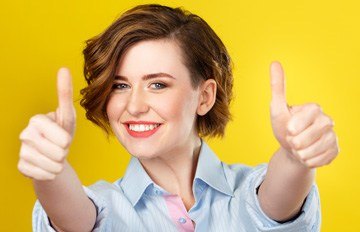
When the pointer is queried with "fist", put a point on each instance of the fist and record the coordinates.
(304, 131)
(45, 141)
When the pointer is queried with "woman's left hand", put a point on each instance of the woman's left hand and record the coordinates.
(304, 131)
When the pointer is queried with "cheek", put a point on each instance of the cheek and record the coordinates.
(178, 106)
(114, 108)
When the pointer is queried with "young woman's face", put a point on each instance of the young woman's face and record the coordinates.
(152, 107)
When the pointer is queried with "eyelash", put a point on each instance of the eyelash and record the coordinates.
(162, 85)
(115, 86)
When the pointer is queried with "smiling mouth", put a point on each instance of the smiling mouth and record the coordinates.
(142, 127)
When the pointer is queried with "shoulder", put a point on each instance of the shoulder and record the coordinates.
(105, 193)
(103, 185)
(105, 188)
(243, 176)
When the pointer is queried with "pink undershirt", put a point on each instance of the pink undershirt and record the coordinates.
(178, 213)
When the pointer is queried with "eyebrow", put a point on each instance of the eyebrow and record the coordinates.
(146, 77)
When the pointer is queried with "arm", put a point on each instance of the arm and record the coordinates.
(45, 144)
(307, 141)
(65, 202)
(286, 184)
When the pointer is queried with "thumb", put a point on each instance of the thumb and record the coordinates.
(278, 100)
(65, 114)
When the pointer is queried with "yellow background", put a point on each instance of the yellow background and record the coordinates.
(316, 41)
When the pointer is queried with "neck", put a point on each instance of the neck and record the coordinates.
(175, 171)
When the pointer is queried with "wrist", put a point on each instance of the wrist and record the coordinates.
(293, 160)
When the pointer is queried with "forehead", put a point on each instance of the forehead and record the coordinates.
(152, 56)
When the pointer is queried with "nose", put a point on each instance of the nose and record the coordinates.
(137, 102)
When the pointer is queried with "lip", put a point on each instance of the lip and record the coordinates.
(143, 134)
(141, 122)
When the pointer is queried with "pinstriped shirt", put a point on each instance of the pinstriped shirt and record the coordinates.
(225, 200)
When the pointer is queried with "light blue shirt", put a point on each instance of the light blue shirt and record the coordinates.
(225, 200)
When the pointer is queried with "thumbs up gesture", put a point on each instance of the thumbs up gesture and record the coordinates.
(304, 131)
(45, 141)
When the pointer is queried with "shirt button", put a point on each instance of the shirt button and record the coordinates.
(157, 192)
(182, 220)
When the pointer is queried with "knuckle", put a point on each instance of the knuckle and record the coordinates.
(36, 119)
(315, 107)
(313, 166)
(29, 133)
(24, 135)
(58, 169)
(20, 167)
(23, 170)
(296, 143)
(23, 156)
(327, 162)
(301, 154)
(308, 164)
(63, 154)
(332, 137)
(51, 116)
(44, 176)
(302, 159)
(40, 177)
(50, 177)
(337, 142)
(326, 140)
(58, 158)
(61, 168)
(328, 121)
(67, 140)
(334, 152)
(337, 150)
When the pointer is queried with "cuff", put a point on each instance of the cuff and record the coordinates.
(41, 222)
(309, 219)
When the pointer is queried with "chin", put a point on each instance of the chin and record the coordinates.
(142, 153)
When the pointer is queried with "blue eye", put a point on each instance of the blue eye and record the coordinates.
(119, 86)
(159, 85)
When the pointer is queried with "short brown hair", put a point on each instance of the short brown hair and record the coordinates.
(204, 55)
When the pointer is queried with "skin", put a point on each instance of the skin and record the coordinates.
(307, 141)
(170, 155)
(304, 132)
(45, 144)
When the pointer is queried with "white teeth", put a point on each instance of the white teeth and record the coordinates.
(142, 127)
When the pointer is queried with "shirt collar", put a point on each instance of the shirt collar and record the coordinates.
(209, 170)
(135, 180)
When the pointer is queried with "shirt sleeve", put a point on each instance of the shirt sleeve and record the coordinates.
(41, 222)
(309, 218)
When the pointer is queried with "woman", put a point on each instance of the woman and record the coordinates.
(160, 80)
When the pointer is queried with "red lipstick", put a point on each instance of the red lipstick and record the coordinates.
(141, 134)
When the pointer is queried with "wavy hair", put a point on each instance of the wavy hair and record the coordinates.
(204, 54)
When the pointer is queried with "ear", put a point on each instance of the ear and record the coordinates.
(207, 97)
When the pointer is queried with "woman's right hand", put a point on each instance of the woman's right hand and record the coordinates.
(45, 141)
